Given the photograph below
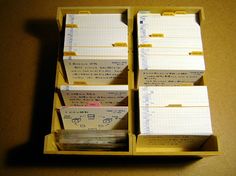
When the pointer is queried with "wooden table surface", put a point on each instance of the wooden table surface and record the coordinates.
(28, 48)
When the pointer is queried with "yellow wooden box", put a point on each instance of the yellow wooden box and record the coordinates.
(137, 146)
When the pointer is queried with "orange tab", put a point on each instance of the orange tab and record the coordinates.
(72, 26)
(119, 44)
(157, 35)
(168, 14)
(145, 45)
(84, 12)
(196, 53)
(80, 83)
(69, 53)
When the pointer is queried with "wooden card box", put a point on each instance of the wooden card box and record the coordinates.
(138, 146)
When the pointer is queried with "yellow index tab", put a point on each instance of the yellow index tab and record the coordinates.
(72, 26)
(145, 45)
(168, 14)
(70, 53)
(196, 53)
(84, 12)
(180, 12)
(157, 35)
(185, 84)
(174, 105)
(80, 83)
(119, 44)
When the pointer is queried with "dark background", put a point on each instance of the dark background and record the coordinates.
(28, 51)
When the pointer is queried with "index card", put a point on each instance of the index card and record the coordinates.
(94, 37)
(97, 20)
(175, 121)
(163, 96)
(103, 71)
(98, 52)
(110, 95)
(94, 118)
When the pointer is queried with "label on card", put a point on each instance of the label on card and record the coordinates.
(94, 118)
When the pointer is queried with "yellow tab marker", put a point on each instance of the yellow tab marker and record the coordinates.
(70, 53)
(72, 26)
(119, 44)
(84, 12)
(168, 14)
(174, 105)
(196, 53)
(185, 84)
(180, 12)
(80, 83)
(145, 45)
(157, 35)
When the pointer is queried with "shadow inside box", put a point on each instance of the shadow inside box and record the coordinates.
(31, 154)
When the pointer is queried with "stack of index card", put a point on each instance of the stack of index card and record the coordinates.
(170, 49)
(92, 140)
(178, 116)
(96, 49)
(100, 107)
